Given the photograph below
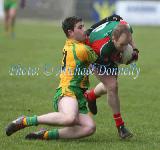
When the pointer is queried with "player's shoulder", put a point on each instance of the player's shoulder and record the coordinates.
(82, 47)
(82, 51)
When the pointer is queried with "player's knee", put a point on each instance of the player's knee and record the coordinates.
(70, 120)
(102, 88)
(90, 129)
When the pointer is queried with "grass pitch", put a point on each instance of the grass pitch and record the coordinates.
(39, 44)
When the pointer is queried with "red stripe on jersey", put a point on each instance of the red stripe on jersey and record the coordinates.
(87, 42)
(123, 22)
(98, 44)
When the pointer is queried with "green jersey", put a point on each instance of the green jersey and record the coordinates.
(100, 39)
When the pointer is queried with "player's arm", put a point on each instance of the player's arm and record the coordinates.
(86, 54)
(110, 18)
(90, 56)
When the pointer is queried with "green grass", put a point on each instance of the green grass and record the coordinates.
(37, 44)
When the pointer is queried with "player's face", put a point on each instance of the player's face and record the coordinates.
(122, 42)
(78, 33)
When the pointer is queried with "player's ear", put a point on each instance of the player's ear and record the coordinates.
(70, 33)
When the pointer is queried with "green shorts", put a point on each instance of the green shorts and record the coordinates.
(76, 93)
(10, 5)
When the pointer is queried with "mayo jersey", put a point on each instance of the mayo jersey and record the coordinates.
(100, 39)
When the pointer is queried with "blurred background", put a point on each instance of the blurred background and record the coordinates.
(38, 42)
(136, 12)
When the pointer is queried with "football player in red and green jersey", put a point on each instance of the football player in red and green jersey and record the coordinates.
(103, 39)
(108, 38)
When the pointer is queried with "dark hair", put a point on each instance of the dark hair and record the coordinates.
(69, 23)
(121, 28)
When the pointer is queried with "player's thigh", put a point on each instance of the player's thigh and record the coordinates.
(109, 81)
(87, 123)
(68, 105)
(12, 12)
(100, 88)
(6, 14)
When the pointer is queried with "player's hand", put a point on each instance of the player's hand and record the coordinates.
(134, 56)
(115, 17)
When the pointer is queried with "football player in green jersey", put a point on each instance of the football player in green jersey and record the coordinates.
(69, 101)
(10, 10)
